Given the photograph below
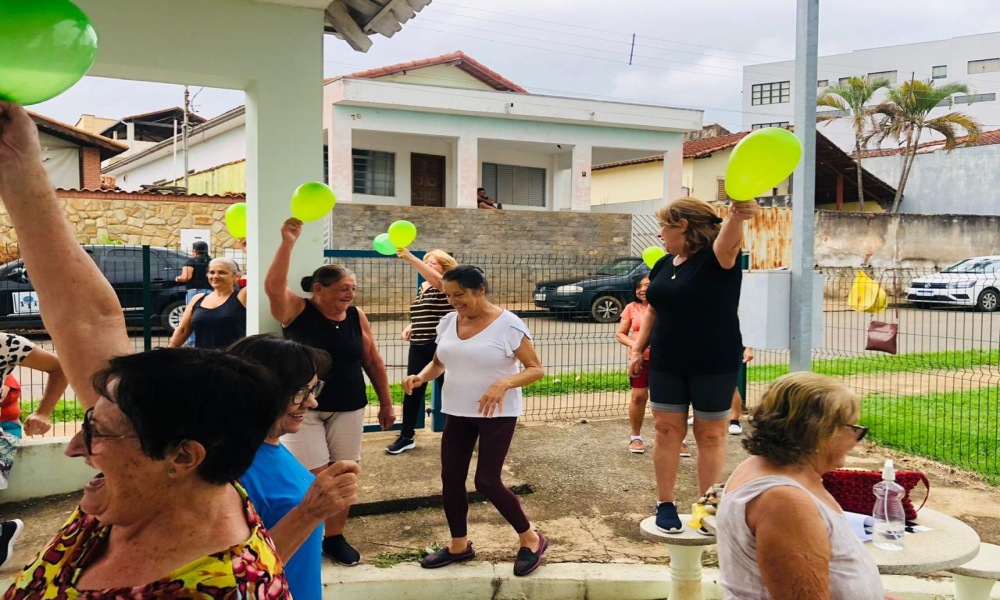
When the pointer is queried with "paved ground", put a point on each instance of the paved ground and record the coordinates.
(588, 495)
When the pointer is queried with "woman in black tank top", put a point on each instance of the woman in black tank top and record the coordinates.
(327, 321)
(219, 318)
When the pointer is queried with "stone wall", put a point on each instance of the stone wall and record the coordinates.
(153, 219)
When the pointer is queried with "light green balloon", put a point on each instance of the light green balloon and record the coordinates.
(402, 233)
(312, 201)
(46, 46)
(236, 220)
(652, 255)
(761, 161)
(383, 245)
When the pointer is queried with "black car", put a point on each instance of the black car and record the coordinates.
(601, 295)
(122, 266)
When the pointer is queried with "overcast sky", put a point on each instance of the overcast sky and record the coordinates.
(688, 53)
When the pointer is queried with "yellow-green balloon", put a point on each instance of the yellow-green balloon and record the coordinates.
(236, 220)
(761, 161)
(652, 255)
(46, 46)
(312, 201)
(402, 233)
(383, 245)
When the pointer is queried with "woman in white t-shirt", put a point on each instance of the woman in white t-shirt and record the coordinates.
(481, 349)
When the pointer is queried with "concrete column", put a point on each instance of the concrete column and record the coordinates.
(284, 150)
(340, 138)
(673, 174)
(580, 178)
(467, 171)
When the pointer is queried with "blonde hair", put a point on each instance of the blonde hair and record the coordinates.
(703, 224)
(798, 414)
(446, 260)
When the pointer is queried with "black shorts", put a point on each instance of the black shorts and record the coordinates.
(710, 395)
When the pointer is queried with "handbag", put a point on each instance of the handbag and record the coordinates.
(852, 489)
(882, 335)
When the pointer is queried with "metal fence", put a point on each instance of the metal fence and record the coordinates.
(939, 396)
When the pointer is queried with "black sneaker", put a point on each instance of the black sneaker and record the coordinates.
(444, 557)
(667, 520)
(401, 445)
(9, 532)
(527, 561)
(337, 548)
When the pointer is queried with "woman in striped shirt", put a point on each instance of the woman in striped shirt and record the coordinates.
(425, 313)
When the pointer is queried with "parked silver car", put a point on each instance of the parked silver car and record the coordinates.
(971, 282)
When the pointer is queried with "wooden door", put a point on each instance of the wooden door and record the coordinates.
(426, 180)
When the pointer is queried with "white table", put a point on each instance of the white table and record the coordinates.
(950, 543)
(685, 550)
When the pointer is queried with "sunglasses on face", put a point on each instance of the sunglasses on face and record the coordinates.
(89, 434)
(859, 430)
(305, 392)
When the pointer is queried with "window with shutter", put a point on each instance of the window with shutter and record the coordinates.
(515, 185)
(721, 196)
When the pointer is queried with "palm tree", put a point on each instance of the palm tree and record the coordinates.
(906, 113)
(851, 98)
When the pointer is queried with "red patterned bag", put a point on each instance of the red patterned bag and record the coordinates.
(853, 489)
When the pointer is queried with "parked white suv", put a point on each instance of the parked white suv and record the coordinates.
(971, 282)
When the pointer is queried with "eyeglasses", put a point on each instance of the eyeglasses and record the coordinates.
(315, 391)
(859, 430)
(89, 434)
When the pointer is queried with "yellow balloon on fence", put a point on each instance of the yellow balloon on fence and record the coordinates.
(761, 161)
(402, 233)
(236, 220)
(866, 295)
(312, 201)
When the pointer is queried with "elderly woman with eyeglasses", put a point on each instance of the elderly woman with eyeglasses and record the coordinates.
(782, 536)
(168, 432)
(292, 502)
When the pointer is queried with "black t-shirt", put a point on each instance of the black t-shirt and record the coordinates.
(199, 279)
(697, 328)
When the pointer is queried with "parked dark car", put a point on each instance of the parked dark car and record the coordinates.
(122, 266)
(601, 295)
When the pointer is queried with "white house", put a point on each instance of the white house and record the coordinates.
(972, 59)
(429, 132)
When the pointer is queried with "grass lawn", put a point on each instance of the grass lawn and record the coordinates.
(961, 428)
(901, 363)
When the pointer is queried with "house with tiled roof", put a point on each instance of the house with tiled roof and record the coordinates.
(634, 186)
(964, 180)
(430, 132)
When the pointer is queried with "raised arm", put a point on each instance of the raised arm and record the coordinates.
(374, 366)
(87, 333)
(285, 304)
(727, 246)
(433, 277)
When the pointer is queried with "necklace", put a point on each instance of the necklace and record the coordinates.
(674, 265)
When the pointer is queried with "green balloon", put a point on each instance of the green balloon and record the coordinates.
(652, 255)
(236, 220)
(312, 201)
(46, 46)
(383, 245)
(761, 161)
(402, 233)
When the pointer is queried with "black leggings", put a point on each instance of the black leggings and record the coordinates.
(420, 356)
(457, 443)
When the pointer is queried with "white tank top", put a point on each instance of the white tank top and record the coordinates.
(853, 572)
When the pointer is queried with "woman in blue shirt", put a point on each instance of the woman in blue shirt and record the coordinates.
(292, 502)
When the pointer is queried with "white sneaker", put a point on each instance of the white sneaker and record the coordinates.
(735, 429)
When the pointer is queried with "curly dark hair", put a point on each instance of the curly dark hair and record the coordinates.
(797, 415)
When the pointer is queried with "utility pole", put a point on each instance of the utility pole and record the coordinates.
(801, 315)
(631, 51)
(187, 107)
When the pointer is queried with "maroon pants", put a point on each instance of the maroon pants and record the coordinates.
(457, 444)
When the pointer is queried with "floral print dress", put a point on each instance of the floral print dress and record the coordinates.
(249, 570)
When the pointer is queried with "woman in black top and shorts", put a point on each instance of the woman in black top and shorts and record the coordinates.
(694, 330)
(425, 313)
(219, 318)
(332, 431)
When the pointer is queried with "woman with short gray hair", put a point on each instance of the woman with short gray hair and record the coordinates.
(218, 318)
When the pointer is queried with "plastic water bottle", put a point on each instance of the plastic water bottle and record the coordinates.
(890, 519)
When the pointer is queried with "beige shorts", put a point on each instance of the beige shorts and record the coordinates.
(326, 437)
